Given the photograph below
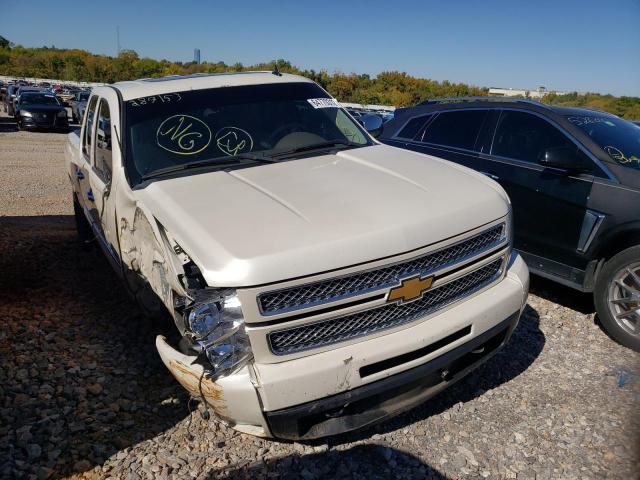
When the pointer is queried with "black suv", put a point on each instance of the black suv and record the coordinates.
(573, 176)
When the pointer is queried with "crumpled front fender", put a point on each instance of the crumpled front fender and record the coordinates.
(232, 398)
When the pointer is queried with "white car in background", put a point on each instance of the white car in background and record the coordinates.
(320, 281)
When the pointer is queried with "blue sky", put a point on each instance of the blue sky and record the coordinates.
(565, 45)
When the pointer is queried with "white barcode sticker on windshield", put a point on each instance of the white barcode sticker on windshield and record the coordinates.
(323, 102)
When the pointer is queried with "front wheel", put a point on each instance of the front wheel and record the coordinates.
(617, 297)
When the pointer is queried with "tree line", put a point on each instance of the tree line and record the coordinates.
(386, 88)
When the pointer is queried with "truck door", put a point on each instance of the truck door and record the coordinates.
(100, 176)
(83, 167)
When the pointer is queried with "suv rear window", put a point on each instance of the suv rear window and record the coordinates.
(413, 126)
(455, 129)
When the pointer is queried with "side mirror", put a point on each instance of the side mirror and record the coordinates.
(569, 159)
(372, 124)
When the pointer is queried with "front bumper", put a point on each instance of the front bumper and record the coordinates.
(359, 384)
(377, 401)
(49, 124)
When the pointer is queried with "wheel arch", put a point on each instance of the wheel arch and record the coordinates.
(616, 240)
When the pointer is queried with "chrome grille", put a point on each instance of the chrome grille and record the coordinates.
(311, 294)
(334, 330)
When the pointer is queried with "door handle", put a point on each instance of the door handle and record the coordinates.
(79, 174)
(90, 195)
(491, 175)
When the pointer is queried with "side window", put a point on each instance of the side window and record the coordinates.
(88, 129)
(455, 129)
(523, 136)
(348, 129)
(102, 154)
(413, 126)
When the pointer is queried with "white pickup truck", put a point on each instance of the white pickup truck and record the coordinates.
(320, 281)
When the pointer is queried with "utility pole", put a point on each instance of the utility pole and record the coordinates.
(118, 40)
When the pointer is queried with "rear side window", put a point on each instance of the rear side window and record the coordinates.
(525, 137)
(413, 126)
(455, 129)
(102, 155)
(86, 141)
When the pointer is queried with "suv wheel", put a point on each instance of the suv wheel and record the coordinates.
(617, 297)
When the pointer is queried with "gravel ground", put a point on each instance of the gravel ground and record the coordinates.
(83, 393)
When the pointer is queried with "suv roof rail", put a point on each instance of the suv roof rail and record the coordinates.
(435, 101)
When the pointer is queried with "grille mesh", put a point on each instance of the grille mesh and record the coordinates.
(338, 288)
(339, 329)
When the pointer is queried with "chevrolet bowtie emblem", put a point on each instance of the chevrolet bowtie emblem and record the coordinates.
(410, 289)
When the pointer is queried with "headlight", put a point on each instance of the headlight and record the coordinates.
(25, 113)
(62, 114)
(217, 325)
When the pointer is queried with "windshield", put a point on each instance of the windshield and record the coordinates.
(174, 129)
(38, 99)
(84, 96)
(619, 138)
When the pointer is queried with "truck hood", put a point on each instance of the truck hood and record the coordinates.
(281, 221)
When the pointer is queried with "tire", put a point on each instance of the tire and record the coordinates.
(85, 234)
(618, 306)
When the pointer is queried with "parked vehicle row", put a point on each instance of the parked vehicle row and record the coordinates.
(384, 115)
(320, 281)
(573, 177)
(38, 106)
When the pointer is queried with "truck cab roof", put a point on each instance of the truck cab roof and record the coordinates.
(199, 81)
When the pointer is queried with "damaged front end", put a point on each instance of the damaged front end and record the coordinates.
(212, 359)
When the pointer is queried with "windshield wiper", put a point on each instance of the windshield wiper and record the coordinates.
(317, 146)
(222, 162)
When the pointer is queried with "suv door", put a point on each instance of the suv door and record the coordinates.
(549, 204)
